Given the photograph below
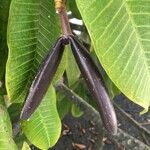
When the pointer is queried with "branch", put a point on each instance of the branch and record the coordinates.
(82, 104)
(121, 137)
(137, 125)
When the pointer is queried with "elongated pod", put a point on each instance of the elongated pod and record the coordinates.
(96, 86)
(43, 79)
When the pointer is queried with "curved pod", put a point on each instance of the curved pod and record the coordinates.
(94, 82)
(43, 79)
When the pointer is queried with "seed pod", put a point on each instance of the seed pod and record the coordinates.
(94, 82)
(43, 79)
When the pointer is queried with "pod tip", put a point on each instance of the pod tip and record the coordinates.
(112, 129)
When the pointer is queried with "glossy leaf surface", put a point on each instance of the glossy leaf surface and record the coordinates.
(31, 32)
(44, 127)
(25, 146)
(72, 70)
(120, 32)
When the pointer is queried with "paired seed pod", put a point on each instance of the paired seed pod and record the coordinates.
(95, 84)
(43, 79)
(89, 71)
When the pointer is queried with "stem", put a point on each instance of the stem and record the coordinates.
(61, 11)
(133, 122)
(65, 22)
(82, 104)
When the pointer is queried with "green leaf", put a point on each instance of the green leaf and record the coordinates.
(72, 69)
(6, 139)
(14, 111)
(81, 89)
(120, 32)
(19, 140)
(61, 68)
(76, 111)
(32, 29)
(110, 86)
(3, 33)
(63, 105)
(44, 127)
(25, 146)
(112, 89)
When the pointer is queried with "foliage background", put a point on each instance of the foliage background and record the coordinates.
(119, 31)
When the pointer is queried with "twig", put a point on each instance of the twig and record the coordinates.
(62, 13)
(82, 104)
(145, 123)
(121, 137)
(133, 122)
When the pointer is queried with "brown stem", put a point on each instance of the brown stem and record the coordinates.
(65, 22)
(131, 120)
(61, 10)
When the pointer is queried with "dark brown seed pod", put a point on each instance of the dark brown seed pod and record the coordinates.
(94, 82)
(43, 79)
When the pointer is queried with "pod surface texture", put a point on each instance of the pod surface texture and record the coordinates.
(95, 84)
(43, 79)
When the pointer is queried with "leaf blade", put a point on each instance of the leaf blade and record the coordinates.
(44, 127)
(117, 41)
(72, 70)
(31, 32)
(6, 139)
